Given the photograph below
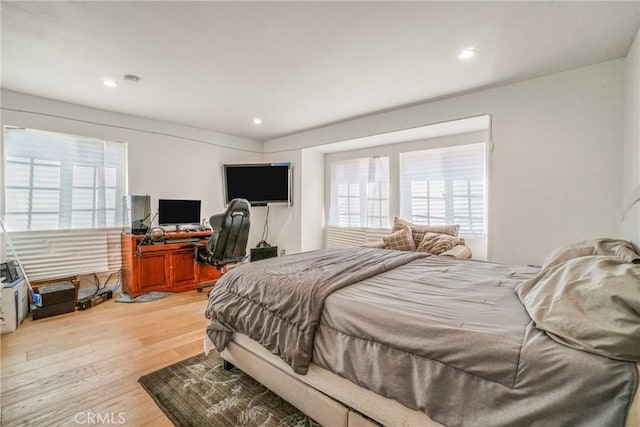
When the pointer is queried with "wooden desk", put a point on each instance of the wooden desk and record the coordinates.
(166, 267)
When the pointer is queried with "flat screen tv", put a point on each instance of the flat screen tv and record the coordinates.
(172, 212)
(259, 183)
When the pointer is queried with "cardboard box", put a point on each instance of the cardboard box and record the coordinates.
(14, 305)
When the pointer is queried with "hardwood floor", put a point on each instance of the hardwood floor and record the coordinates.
(57, 370)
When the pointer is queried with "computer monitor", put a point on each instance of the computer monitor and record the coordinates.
(173, 212)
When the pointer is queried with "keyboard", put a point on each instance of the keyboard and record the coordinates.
(183, 240)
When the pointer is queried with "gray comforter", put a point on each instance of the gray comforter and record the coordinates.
(445, 336)
(278, 302)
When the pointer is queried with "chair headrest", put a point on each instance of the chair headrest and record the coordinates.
(239, 206)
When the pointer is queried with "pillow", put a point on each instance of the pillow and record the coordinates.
(601, 247)
(591, 303)
(458, 251)
(401, 240)
(420, 230)
(436, 243)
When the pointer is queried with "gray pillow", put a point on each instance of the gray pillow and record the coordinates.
(591, 303)
(603, 247)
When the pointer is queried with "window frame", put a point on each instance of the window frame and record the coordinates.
(480, 247)
(68, 250)
(66, 185)
(447, 189)
(31, 163)
(360, 192)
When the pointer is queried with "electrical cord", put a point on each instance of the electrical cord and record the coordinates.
(265, 229)
(147, 234)
(106, 282)
(95, 282)
(119, 282)
(110, 276)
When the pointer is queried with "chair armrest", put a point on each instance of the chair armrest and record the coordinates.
(201, 253)
(458, 251)
(374, 245)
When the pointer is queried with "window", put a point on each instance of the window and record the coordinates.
(360, 193)
(32, 193)
(63, 199)
(57, 181)
(433, 174)
(445, 186)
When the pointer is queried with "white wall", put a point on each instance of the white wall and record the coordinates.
(557, 157)
(299, 227)
(631, 156)
(165, 160)
(285, 225)
(312, 200)
(556, 166)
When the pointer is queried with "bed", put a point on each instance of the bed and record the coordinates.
(360, 336)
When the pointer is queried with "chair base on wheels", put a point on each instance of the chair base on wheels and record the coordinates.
(201, 286)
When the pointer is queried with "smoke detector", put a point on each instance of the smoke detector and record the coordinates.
(131, 78)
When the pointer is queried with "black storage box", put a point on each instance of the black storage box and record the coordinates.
(263, 253)
(52, 310)
(57, 293)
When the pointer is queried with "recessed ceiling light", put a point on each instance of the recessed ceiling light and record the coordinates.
(257, 121)
(467, 53)
(109, 82)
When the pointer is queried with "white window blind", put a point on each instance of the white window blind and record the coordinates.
(343, 237)
(63, 201)
(445, 186)
(360, 193)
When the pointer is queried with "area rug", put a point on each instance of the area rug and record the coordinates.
(151, 296)
(199, 392)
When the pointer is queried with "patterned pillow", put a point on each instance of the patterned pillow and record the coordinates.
(458, 251)
(401, 240)
(420, 230)
(436, 243)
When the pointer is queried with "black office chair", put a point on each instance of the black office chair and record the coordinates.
(228, 243)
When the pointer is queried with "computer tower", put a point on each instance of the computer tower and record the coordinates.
(137, 214)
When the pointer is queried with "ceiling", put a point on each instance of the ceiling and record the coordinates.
(296, 65)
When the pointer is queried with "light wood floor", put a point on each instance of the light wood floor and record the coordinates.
(56, 368)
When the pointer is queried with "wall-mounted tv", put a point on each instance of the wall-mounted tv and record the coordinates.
(176, 212)
(259, 183)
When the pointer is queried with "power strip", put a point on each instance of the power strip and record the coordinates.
(101, 296)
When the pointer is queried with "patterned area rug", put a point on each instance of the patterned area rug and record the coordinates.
(199, 392)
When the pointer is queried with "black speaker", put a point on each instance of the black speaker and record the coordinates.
(137, 214)
(262, 253)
